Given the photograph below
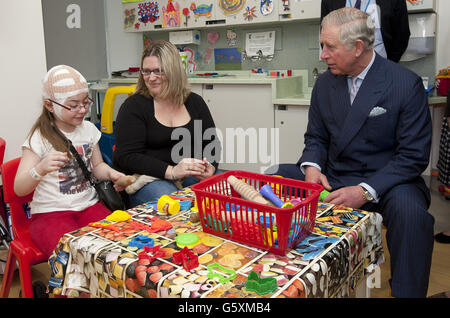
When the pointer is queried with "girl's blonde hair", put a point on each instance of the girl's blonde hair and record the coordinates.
(48, 130)
(176, 88)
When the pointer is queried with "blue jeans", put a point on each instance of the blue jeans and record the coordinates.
(154, 190)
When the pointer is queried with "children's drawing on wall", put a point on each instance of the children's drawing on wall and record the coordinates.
(191, 66)
(148, 12)
(249, 13)
(227, 59)
(129, 17)
(231, 37)
(230, 7)
(207, 56)
(266, 7)
(203, 10)
(186, 14)
(146, 39)
(171, 15)
(286, 5)
(213, 37)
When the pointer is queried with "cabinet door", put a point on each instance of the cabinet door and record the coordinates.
(200, 12)
(299, 9)
(253, 11)
(197, 88)
(421, 6)
(231, 11)
(244, 117)
(292, 122)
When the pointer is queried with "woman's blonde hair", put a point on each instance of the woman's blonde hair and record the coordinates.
(176, 87)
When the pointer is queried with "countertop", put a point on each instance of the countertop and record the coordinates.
(291, 90)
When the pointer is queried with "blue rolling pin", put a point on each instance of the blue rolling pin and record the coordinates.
(267, 193)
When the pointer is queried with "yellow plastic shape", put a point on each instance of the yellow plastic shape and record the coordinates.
(106, 122)
(118, 216)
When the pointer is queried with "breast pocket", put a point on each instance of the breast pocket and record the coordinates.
(380, 130)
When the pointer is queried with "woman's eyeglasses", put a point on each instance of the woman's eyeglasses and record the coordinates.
(157, 72)
(85, 105)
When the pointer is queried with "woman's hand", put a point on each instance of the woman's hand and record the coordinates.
(188, 167)
(52, 162)
(209, 171)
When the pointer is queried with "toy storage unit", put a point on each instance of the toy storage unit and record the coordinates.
(224, 213)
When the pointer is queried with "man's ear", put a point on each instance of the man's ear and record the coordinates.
(360, 47)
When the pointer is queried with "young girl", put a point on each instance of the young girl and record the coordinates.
(63, 200)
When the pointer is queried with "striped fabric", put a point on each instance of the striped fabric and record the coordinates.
(443, 164)
(63, 81)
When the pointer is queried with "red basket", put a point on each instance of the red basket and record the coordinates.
(223, 213)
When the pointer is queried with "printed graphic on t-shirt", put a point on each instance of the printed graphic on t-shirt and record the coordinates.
(71, 177)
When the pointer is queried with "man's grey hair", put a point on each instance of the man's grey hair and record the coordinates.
(354, 25)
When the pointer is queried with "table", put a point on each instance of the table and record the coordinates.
(345, 247)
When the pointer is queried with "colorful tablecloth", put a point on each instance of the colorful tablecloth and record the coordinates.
(345, 246)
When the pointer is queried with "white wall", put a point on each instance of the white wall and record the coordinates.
(443, 35)
(123, 49)
(23, 65)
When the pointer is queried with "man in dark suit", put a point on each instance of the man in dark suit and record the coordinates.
(391, 15)
(368, 140)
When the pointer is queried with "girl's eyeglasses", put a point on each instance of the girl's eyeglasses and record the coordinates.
(85, 105)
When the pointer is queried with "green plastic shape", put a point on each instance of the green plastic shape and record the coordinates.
(260, 285)
(186, 239)
(222, 279)
(323, 195)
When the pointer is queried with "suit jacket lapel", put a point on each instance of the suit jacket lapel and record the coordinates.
(341, 104)
(370, 92)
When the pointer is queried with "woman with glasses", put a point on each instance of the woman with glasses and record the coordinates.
(164, 130)
(63, 200)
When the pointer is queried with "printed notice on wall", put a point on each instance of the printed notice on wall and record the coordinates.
(260, 41)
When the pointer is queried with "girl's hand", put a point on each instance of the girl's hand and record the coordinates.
(114, 176)
(52, 162)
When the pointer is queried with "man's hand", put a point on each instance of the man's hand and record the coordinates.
(348, 196)
(313, 175)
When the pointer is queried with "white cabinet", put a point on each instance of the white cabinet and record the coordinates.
(243, 114)
(299, 9)
(196, 88)
(292, 121)
(421, 6)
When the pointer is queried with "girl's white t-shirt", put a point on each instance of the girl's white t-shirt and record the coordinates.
(65, 189)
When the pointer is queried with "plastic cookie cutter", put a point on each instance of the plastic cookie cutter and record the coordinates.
(260, 285)
(154, 250)
(187, 258)
(141, 241)
(102, 225)
(222, 278)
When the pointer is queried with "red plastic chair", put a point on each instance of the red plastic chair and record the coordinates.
(22, 248)
(2, 149)
(2, 154)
